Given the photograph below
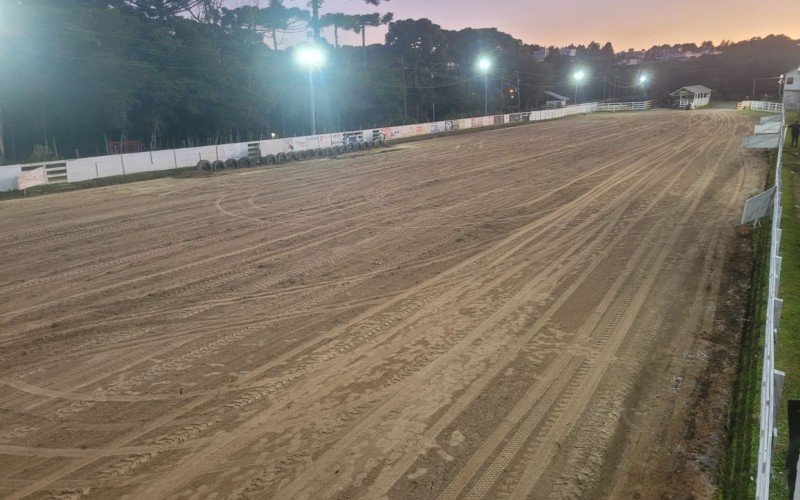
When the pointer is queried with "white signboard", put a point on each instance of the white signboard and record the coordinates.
(758, 206)
(761, 141)
(768, 128)
(35, 177)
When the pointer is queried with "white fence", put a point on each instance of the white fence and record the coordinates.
(771, 379)
(106, 166)
(624, 106)
(110, 165)
(769, 107)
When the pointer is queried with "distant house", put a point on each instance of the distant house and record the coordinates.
(692, 96)
(630, 58)
(555, 100)
(681, 53)
(541, 55)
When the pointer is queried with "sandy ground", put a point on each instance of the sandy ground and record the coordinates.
(530, 312)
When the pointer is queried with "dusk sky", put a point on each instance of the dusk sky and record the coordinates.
(625, 23)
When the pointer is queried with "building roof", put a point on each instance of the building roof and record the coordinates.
(692, 89)
(558, 97)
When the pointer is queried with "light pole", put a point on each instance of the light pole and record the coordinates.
(643, 79)
(312, 57)
(578, 76)
(484, 64)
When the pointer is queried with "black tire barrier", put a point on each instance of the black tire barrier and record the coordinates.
(245, 162)
(319, 153)
(282, 158)
(218, 165)
(204, 165)
(362, 146)
(259, 161)
(338, 150)
(270, 160)
(231, 163)
(351, 147)
(370, 144)
(381, 142)
(291, 156)
(329, 152)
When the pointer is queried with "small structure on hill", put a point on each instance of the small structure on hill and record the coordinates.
(692, 96)
(554, 100)
(791, 91)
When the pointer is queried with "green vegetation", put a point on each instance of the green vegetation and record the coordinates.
(739, 462)
(756, 114)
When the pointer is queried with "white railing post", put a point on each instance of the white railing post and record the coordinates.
(770, 377)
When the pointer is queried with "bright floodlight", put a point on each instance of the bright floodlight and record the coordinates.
(311, 56)
(643, 78)
(484, 63)
(579, 75)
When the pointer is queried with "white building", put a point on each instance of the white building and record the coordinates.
(692, 96)
(555, 100)
(791, 91)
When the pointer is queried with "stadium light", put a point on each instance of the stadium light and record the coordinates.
(311, 56)
(578, 76)
(484, 65)
(643, 79)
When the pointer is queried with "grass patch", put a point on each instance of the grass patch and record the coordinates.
(756, 114)
(739, 462)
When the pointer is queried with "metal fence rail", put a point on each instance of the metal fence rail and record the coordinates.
(770, 107)
(771, 379)
(624, 106)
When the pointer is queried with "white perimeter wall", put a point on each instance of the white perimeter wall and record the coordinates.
(106, 166)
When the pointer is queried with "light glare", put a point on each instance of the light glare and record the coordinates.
(579, 75)
(484, 64)
(311, 56)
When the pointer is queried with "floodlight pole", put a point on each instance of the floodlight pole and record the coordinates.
(576, 91)
(486, 93)
(313, 105)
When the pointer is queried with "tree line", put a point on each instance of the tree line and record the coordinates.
(177, 73)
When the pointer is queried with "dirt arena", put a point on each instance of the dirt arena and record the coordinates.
(544, 311)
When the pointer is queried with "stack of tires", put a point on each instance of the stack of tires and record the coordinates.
(280, 158)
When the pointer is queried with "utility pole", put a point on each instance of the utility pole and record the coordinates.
(2, 147)
(405, 99)
(519, 95)
(486, 100)
(502, 110)
(313, 104)
(315, 19)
